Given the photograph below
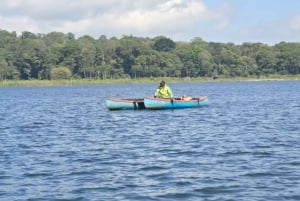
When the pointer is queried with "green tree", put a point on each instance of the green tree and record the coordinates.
(71, 57)
(88, 57)
(289, 58)
(62, 72)
(164, 44)
(267, 60)
(32, 56)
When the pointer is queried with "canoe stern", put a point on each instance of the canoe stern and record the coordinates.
(124, 104)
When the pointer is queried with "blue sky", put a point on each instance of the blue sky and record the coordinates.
(268, 21)
(236, 21)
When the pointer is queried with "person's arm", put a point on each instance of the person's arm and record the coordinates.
(156, 93)
(170, 93)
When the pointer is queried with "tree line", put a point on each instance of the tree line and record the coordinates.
(61, 56)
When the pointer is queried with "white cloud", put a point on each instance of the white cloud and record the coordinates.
(177, 19)
(295, 23)
(19, 24)
(169, 16)
(111, 18)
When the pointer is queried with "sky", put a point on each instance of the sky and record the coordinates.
(225, 21)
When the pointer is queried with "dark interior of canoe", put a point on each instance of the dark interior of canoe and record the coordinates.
(138, 103)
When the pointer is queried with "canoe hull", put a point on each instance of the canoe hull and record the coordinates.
(154, 103)
(162, 103)
(124, 104)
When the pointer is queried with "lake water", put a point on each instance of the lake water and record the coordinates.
(61, 143)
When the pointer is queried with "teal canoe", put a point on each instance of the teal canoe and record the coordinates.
(167, 103)
(152, 103)
(125, 103)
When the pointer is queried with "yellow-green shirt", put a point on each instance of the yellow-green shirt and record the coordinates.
(164, 92)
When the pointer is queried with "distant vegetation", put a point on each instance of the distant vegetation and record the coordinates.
(57, 56)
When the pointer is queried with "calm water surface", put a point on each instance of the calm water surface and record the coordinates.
(61, 143)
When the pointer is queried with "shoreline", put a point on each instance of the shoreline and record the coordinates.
(71, 82)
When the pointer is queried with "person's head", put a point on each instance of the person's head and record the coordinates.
(162, 83)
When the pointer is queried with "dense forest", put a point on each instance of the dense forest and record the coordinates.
(61, 56)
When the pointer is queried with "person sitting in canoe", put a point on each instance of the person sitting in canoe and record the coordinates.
(163, 91)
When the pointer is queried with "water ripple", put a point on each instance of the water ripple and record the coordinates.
(61, 143)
